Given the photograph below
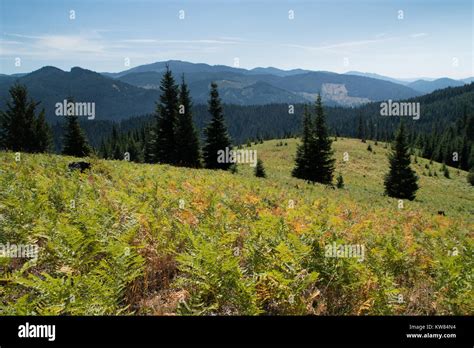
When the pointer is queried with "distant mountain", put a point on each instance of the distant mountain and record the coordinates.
(113, 99)
(255, 94)
(6, 79)
(424, 86)
(178, 67)
(377, 76)
(278, 72)
(346, 90)
(292, 85)
(13, 75)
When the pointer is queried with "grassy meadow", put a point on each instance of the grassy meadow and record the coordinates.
(141, 239)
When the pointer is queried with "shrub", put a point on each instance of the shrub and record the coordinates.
(340, 181)
(470, 177)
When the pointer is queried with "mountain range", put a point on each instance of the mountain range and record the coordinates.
(423, 85)
(268, 85)
(135, 91)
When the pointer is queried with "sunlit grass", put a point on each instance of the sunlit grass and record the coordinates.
(128, 238)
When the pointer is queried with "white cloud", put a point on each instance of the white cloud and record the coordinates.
(336, 47)
(417, 35)
(221, 41)
(70, 43)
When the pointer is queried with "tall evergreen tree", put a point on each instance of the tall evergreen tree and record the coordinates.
(371, 129)
(314, 160)
(20, 128)
(401, 180)
(187, 140)
(302, 161)
(133, 149)
(322, 163)
(116, 148)
(104, 149)
(43, 135)
(464, 155)
(166, 113)
(361, 129)
(217, 137)
(74, 141)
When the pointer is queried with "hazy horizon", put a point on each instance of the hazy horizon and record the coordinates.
(403, 79)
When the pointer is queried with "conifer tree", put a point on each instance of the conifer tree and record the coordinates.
(43, 136)
(104, 149)
(321, 161)
(302, 161)
(371, 129)
(166, 114)
(401, 180)
(446, 172)
(150, 145)
(340, 181)
(117, 153)
(464, 155)
(133, 149)
(187, 140)
(74, 141)
(217, 137)
(20, 128)
(260, 170)
(361, 129)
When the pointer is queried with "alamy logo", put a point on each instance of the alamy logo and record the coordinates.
(37, 331)
(345, 250)
(237, 156)
(391, 108)
(19, 250)
(67, 108)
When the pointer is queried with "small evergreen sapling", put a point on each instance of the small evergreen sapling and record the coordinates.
(260, 170)
(340, 181)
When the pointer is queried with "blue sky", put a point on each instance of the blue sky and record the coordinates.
(434, 38)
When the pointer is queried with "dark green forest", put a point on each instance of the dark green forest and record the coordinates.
(444, 132)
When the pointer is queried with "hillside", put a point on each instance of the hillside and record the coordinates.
(424, 86)
(113, 99)
(153, 239)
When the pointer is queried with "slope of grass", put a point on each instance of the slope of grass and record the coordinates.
(129, 238)
(364, 173)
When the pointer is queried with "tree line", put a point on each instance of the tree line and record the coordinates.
(172, 136)
(171, 139)
(444, 133)
(24, 129)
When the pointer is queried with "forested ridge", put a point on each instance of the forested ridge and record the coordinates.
(445, 126)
